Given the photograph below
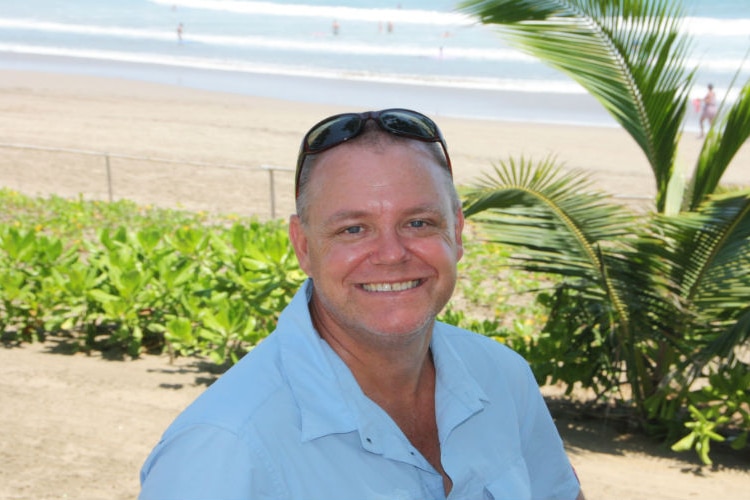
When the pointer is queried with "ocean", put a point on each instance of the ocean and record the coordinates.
(364, 54)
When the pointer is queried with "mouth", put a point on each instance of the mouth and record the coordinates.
(391, 287)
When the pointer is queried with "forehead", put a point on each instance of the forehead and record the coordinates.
(367, 172)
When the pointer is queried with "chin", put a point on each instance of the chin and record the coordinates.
(402, 329)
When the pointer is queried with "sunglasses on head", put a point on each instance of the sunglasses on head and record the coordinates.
(337, 129)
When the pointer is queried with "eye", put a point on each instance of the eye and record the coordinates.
(353, 230)
(418, 223)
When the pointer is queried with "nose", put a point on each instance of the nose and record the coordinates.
(389, 248)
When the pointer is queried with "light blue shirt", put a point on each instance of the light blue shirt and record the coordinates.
(289, 421)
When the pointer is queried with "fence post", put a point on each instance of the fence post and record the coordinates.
(272, 188)
(108, 166)
(109, 177)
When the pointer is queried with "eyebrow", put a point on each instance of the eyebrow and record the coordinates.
(342, 215)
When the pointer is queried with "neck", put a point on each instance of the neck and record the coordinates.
(386, 369)
(398, 375)
(392, 382)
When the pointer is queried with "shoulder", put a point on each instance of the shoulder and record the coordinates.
(474, 347)
(488, 361)
(254, 385)
(214, 448)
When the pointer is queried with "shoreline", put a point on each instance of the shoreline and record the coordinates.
(349, 90)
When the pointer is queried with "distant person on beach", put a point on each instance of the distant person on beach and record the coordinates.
(709, 108)
(179, 32)
(335, 27)
(360, 393)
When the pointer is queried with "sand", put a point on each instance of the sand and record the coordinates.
(239, 135)
(77, 426)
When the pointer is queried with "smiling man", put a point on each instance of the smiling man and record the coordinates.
(360, 393)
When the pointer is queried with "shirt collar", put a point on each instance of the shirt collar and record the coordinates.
(458, 395)
(328, 397)
(313, 381)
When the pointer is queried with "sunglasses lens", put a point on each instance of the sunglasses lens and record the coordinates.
(341, 128)
(331, 133)
(409, 124)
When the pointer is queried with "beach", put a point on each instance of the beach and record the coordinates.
(77, 426)
(216, 144)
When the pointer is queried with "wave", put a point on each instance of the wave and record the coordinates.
(85, 29)
(694, 25)
(476, 83)
(410, 16)
(548, 86)
(709, 26)
(274, 43)
(710, 63)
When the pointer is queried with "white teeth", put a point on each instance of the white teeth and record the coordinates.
(390, 287)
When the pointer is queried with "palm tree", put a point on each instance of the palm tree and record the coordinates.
(646, 304)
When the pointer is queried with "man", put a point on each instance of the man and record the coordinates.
(359, 393)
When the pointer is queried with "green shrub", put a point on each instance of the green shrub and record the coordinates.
(118, 276)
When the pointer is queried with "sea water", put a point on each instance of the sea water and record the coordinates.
(336, 52)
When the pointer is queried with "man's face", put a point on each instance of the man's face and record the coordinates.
(381, 241)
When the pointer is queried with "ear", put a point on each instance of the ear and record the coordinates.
(459, 234)
(299, 242)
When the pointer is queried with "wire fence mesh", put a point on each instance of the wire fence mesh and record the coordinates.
(264, 192)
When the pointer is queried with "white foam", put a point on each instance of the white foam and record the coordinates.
(85, 29)
(276, 43)
(411, 16)
(478, 83)
(708, 26)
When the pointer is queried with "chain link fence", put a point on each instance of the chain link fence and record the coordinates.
(264, 192)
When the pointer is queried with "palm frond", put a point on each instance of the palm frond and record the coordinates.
(717, 248)
(628, 54)
(554, 220)
(710, 259)
(733, 336)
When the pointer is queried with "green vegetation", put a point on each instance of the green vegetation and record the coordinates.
(114, 276)
(649, 310)
(129, 279)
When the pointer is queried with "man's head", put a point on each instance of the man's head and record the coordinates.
(378, 229)
(337, 129)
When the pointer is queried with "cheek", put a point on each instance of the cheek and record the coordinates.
(335, 259)
(436, 252)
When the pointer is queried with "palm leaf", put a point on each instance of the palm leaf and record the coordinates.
(710, 259)
(628, 54)
(555, 223)
(554, 215)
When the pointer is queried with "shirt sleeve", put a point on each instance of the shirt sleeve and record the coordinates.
(202, 462)
(551, 474)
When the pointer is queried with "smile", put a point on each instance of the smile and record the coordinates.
(390, 287)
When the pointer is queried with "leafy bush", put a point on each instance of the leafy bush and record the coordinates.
(138, 279)
(650, 309)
